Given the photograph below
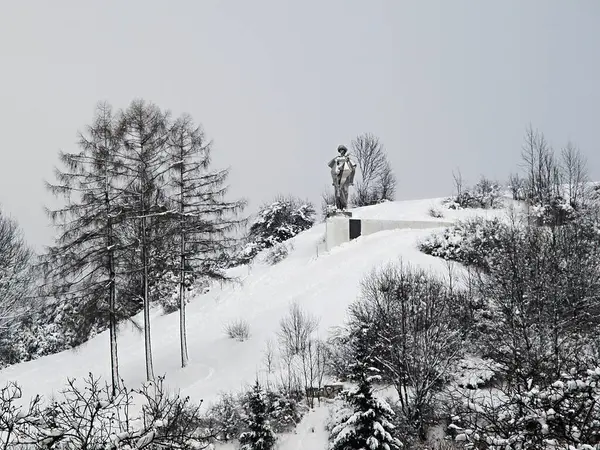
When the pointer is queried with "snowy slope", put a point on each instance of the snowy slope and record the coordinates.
(324, 285)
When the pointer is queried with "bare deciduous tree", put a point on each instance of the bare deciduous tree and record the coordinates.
(376, 181)
(296, 329)
(574, 174)
(541, 167)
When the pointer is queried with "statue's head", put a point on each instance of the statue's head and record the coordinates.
(342, 150)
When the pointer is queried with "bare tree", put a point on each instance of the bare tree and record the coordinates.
(542, 170)
(296, 329)
(377, 181)
(517, 186)
(574, 174)
(314, 361)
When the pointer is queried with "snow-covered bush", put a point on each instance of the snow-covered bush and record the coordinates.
(436, 213)
(486, 194)
(277, 254)
(556, 211)
(564, 414)
(284, 412)
(277, 222)
(227, 418)
(470, 242)
(239, 330)
(224, 417)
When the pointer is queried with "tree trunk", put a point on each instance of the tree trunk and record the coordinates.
(114, 362)
(147, 342)
(182, 328)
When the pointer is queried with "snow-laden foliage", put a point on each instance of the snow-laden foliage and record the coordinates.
(259, 434)
(277, 222)
(227, 418)
(564, 414)
(366, 423)
(486, 194)
(277, 253)
(470, 242)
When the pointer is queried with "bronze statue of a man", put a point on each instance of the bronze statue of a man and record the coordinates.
(342, 174)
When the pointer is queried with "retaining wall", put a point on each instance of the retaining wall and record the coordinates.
(339, 230)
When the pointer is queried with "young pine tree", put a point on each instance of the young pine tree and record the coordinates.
(203, 218)
(82, 262)
(369, 425)
(260, 436)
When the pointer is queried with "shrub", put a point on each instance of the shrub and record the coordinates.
(563, 415)
(470, 242)
(239, 329)
(435, 212)
(89, 416)
(227, 416)
(486, 194)
(277, 254)
(276, 223)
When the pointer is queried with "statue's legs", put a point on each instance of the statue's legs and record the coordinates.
(338, 202)
(343, 196)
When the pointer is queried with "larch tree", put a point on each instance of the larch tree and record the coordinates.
(144, 163)
(203, 218)
(82, 262)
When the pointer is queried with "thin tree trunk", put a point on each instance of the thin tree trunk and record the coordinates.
(182, 327)
(114, 361)
(112, 295)
(147, 342)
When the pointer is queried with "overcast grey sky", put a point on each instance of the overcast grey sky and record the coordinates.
(279, 84)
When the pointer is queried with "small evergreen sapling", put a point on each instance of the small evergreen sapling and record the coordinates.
(259, 436)
(368, 423)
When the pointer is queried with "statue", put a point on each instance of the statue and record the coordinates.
(342, 174)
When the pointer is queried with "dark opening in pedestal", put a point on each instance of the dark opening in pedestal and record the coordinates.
(355, 228)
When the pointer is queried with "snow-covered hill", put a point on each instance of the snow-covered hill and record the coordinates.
(323, 284)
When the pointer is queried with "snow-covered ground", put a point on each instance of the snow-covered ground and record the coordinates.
(323, 284)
